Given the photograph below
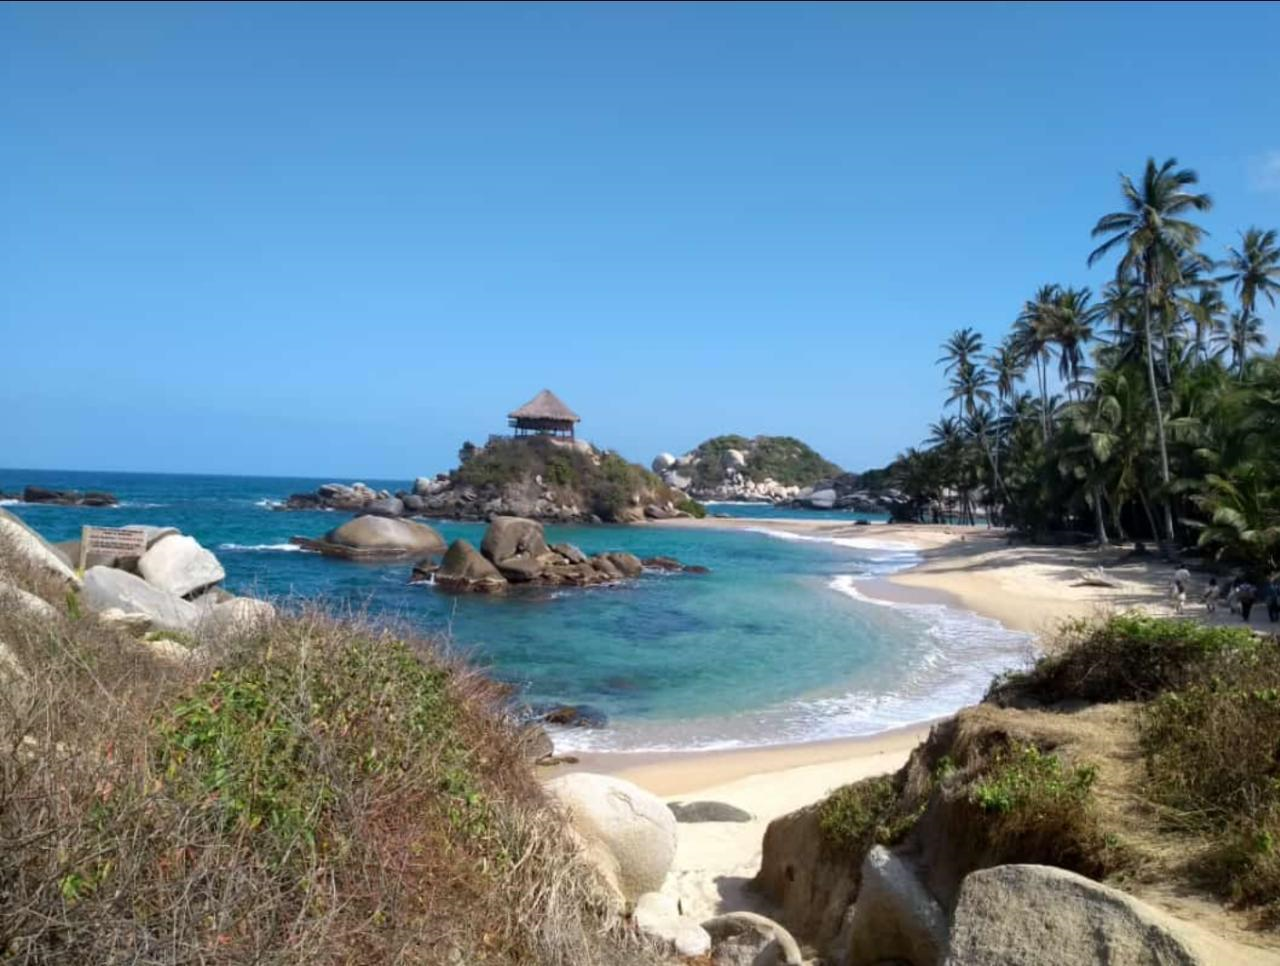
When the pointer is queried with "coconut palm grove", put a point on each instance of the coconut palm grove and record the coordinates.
(1148, 411)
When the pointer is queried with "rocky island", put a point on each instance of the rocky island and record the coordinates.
(780, 470)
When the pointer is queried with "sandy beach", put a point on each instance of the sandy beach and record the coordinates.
(1026, 588)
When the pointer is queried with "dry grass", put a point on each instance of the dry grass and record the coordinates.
(321, 791)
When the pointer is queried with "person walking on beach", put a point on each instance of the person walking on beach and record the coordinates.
(1246, 594)
(1211, 595)
(1271, 597)
(1178, 590)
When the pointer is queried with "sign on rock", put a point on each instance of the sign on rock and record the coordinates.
(112, 541)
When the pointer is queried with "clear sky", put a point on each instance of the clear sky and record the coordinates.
(339, 240)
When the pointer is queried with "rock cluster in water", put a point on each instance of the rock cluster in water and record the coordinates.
(514, 550)
(40, 494)
(374, 537)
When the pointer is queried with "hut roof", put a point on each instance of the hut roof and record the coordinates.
(545, 405)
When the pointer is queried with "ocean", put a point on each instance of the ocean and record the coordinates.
(775, 645)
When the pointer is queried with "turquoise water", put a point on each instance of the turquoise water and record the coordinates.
(774, 645)
(767, 511)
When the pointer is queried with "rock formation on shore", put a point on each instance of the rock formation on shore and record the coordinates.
(537, 477)
(514, 551)
(41, 494)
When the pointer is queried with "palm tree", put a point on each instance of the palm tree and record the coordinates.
(1206, 312)
(1255, 268)
(1154, 240)
(1008, 366)
(1031, 334)
(960, 349)
(1245, 332)
(970, 386)
(1071, 322)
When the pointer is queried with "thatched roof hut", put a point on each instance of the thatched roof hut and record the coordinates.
(544, 414)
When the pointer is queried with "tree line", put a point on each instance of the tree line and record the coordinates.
(1162, 421)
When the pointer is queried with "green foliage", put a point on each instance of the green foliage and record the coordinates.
(781, 458)
(1212, 751)
(866, 813)
(1033, 782)
(607, 485)
(264, 746)
(692, 507)
(1127, 657)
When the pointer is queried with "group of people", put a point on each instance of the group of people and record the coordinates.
(1240, 596)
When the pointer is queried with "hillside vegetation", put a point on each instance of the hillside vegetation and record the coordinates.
(603, 484)
(311, 790)
(783, 459)
(1144, 751)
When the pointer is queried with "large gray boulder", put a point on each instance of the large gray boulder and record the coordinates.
(464, 570)
(180, 565)
(508, 537)
(824, 499)
(32, 550)
(1027, 915)
(387, 506)
(895, 917)
(633, 831)
(106, 588)
(383, 536)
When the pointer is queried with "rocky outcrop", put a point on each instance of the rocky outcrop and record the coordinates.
(895, 917)
(1025, 915)
(236, 617)
(32, 550)
(377, 538)
(845, 492)
(464, 570)
(354, 497)
(811, 887)
(763, 469)
(630, 834)
(179, 565)
(40, 494)
(15, 599)
(515, 551)
(106, 588)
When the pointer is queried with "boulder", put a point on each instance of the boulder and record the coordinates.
(734, 458)
(33, 550)
(748, 939)
(237, 617)
(895, 917)
(127, 622)
(508, 537)
(375, 536)
(634, 827)
(605, 567)
(70, 549)
(168, 650)
(663, 462)
(658, 916)
(708, 812)
(811, 887)
(824, 499)
(535, 743)
(413, 503)
(572, 716)
(1013, 915)
(14, 598)
(670, 564)
(522, 569)
(106, 588)
(569, 552)
(422, 487)
(386, 506)
(181, 566)
(628, 564)
(465, 570)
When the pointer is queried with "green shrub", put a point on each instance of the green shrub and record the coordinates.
(1213, 760)
(866, 813)
(1124, 658)
(693, 508)
(1033, 807)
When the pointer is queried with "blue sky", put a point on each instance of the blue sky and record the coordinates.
(339, 240)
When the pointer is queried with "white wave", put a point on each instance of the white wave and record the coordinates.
(10, 502)
(138, 505)
(853, 543)
(282, 547)
(268, 504)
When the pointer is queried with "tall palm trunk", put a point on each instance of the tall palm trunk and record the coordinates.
(1155, 397)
